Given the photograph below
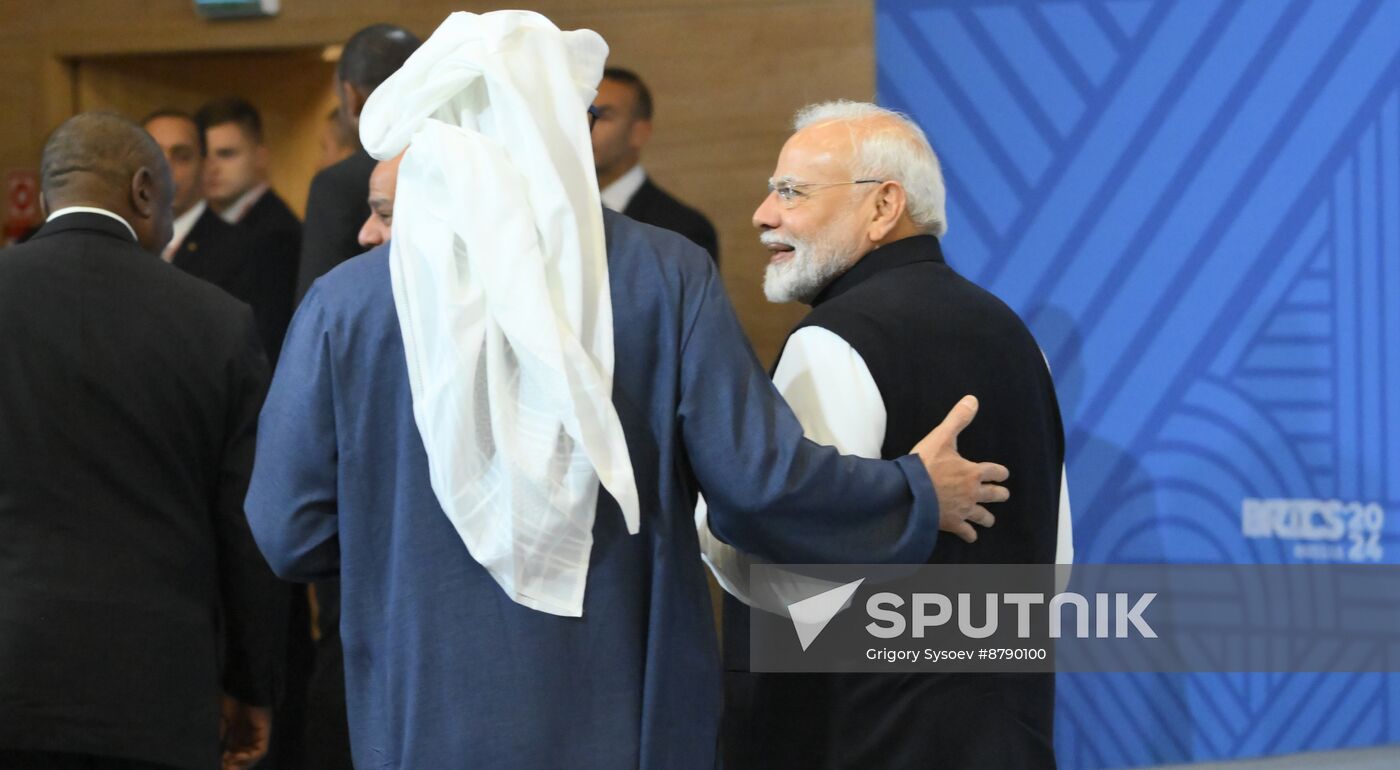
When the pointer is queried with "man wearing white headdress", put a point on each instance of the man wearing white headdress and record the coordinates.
(494, 429)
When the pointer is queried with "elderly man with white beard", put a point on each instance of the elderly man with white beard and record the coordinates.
(853, 218)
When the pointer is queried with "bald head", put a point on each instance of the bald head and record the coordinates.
(383, 184)
(106, 161)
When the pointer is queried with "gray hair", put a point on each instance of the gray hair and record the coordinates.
(893, 148)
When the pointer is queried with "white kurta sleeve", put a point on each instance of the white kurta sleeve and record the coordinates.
(830, 389)
(1064, 535)
(835, 398)
(1064, 541)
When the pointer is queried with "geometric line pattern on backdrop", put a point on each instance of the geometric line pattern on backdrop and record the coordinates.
(1196, 206)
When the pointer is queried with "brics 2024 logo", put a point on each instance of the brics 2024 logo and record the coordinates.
(1320, 530)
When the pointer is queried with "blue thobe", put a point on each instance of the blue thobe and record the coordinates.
(442, 670)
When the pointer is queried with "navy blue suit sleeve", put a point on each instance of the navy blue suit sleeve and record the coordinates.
(291, 501)
(771, 492)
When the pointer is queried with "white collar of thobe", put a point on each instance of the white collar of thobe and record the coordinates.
(510, 358)
(235, 213)
(182, 226)
(66, 210)
(617, 195)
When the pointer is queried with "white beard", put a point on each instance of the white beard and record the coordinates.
(812, 265)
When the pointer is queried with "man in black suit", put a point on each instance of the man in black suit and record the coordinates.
(134, 598)
(235, 184)
(335, 207)
(623, 110)
(203, 244)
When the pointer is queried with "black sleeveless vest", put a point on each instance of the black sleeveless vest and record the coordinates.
(929, 337)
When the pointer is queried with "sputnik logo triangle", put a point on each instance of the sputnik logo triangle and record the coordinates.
(811, 615)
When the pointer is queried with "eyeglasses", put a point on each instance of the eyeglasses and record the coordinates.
(792, 193)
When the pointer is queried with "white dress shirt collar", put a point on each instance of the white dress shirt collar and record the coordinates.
(233, 214)
(93, 210)
(617, 195)
(183, 224)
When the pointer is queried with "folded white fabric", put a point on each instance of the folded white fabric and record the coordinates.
(500, 282)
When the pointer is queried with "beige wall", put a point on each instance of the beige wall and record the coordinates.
(291, 89)
(727, 75)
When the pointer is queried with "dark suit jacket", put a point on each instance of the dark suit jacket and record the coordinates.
(655, 206)
(217, 252)
(276, 240)
(131, 592)
(336, 208)
(254, 260)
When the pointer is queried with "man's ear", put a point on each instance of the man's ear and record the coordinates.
(353, 97)
(143, 193)
(262, 158)
(640, 134)
(890, 205)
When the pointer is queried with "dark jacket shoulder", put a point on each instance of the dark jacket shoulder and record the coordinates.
(336, 207)
(654, 206)
(272, 215)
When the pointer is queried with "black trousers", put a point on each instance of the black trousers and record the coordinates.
(50, 760)
(327, 736)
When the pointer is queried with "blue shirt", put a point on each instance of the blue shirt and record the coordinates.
(442, 670)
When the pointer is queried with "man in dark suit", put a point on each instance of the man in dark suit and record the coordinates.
(203, 244)
(134, 598)
(623, 127)
(335, 207)
(852, 221)
(235, 184)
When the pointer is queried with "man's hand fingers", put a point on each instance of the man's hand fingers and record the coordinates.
(981, 516)
(965, 531)
(991, 493)
(242, 756)
(958, 418)
(247, 729)
(992, 472)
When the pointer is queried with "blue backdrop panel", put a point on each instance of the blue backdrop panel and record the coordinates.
(1196, 206)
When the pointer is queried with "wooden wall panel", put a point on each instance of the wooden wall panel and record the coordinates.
(727, 75)
(291, 89)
